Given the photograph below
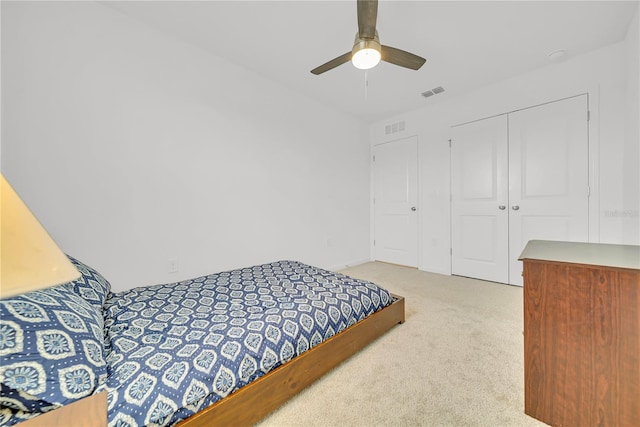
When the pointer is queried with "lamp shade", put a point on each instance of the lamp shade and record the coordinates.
(30, 259)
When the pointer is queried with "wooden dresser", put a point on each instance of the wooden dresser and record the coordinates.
(582, 333)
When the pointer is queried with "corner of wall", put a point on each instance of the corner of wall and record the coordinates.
(631, 165)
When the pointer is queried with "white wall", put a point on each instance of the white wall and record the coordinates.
(605, 74)
(630, 216)
(133, 148)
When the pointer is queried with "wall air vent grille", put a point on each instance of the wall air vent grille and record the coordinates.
(395, 127)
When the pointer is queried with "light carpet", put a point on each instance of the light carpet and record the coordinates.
(456, 361)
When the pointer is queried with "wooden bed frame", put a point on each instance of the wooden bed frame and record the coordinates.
(256, 400)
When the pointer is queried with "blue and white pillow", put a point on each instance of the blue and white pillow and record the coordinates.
(52, 343)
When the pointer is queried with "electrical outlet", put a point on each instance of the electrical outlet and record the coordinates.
(172, 265)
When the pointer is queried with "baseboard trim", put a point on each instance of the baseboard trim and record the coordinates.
(350, 264)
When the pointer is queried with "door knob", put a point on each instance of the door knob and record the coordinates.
(502, 207)
(515, 207)
(413, 208)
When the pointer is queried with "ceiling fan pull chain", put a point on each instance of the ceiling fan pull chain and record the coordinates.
(366, 84)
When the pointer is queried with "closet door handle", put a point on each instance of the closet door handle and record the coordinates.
(413, 208)
(502, 207)
(515, 207)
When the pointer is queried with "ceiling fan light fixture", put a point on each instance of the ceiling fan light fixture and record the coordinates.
(365, 58)
(366, 53)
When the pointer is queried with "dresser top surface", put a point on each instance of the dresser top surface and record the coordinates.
(606, 255)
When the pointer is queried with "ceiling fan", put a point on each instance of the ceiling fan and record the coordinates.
(367, 50)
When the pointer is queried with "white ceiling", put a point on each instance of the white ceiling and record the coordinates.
(467, 44)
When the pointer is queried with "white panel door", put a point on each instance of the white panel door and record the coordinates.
(479, 200)
(548, 176)
(395, 183)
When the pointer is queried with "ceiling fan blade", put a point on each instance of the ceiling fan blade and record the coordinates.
(332, 64)
(367, 16)
(401, 58)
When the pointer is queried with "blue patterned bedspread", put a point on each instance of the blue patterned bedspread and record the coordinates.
(175, 349)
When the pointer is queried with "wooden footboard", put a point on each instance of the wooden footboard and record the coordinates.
(253, 402)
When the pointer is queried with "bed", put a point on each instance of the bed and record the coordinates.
(226, 348)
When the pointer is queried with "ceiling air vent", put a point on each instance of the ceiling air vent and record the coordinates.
(434, 91)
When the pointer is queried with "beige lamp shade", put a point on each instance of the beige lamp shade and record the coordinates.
(30, 259)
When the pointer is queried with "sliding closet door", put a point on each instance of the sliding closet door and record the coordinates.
(548, 176)
(479, 200)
